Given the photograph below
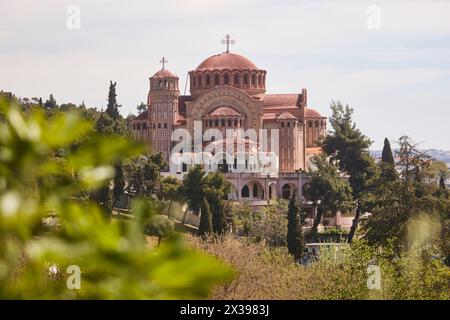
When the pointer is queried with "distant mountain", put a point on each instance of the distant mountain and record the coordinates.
(440, 155)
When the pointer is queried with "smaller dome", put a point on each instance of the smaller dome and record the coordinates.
(224, 111)
(164, 73)
(311, 113)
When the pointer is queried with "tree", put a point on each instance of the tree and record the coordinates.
(387, 164)
(294, 238)
(113, 108)
(386, 155)
(348, 146)
(50, 103)
(170, 190)
(141, 107)
(216, 191)
(194, 188)
(118, 183)
(412, 162)
(160, 226)
(102, 196)
(205, 226)
(143, 175)
(415, 194)
(328, 190)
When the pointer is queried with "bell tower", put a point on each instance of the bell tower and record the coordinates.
(163, 109)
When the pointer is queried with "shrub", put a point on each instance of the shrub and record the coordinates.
(159, 226)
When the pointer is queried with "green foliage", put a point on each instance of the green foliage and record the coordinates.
(328, 190)
(143, 175)
(216, 192)
(267, 224)
(412, 194)
(141, 108)
(170, 190)
(194, 188)
(242, 219)
(205, 227)
(386, 155)
(212, 187)
(118, 183)
(45, 220)
(387, 164)
(112, 110)
(294, 238)
(159, 226)
(50, 104)
(349, 147)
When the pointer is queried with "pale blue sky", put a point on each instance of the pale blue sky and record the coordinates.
(397, 78)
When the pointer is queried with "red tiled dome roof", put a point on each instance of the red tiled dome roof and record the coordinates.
(230, 61)
(224, 111)
(311, 113)
(163, 73)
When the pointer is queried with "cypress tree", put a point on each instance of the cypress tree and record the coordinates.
(113, 108)
(205, 226)
(295, 240)
(386, 155)
(387, 164)
(50, 103)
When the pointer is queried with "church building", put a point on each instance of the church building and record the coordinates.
(228, 91)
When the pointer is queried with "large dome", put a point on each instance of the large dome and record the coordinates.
(231, 61)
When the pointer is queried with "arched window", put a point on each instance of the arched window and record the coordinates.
(310, 124)
(236, 79)
(225, 79)
(223, 123)
(235, 123)
(317, 124)
(216, 80)
(286, 191)
(217, 123)
(229, 123)
(210, 123)
(255, 191)
(253, 79)
(199, 81)
(245, 79)
(165, 125)
(208, 80)
(194, 81)
(245, 193)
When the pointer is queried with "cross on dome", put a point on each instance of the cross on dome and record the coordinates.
(163, 61)
(228, 41)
